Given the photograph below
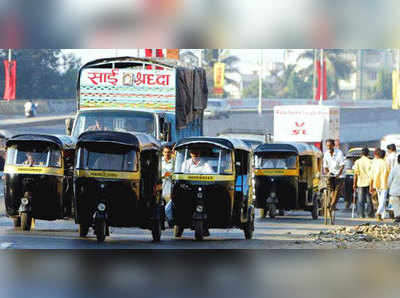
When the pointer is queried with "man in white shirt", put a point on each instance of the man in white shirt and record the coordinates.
(196, 165)
(394, 189)
(333, 164)
(391, 157)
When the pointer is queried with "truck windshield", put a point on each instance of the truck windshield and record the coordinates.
(114, 120)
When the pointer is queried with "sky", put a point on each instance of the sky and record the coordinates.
(249, 57)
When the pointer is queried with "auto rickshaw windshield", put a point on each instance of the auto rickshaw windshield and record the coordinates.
(110, 159)
(34, 156)
(208, 160)
(275, 160)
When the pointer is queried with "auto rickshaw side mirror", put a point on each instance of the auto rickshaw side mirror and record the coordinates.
(69, 123)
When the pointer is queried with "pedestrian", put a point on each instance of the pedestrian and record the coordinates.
(166, 175)
(333, 163)
(362, 168)
(379, 182)
(391, 156)
(373, 195)
(394, 189)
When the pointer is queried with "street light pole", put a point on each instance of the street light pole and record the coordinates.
(260, 83)
(321, 94)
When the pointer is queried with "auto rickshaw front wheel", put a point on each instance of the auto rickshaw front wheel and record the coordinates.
(17, 222)
(178, 231)
(26, 221)
(249, 229)
(100, 230)
(156, 231)
(272, 210)
(198, 230)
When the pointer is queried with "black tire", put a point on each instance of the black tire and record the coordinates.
(249, 229)
(178, 231)
(272, 210)
(17, 222)
(314, 211)
(26, 221)
(281, 212)
(263, 213)
(100, 229)
(199, 230)
(156, 231)
(83, 230)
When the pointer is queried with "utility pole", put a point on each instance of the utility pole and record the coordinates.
(361, 59)
(321, 95)
(397, 73)
(260, 79)
(315, 75)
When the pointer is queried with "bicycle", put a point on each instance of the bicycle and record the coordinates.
(326, 197)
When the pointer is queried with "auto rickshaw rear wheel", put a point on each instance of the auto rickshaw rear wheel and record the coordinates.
(198, 230)
(156, 231)
(263, 213)
(83, 229)
(100, 230)
(314, 211)
(17, 222)
(272, 210)
(26, 221)
(178, 231)
(249, 229)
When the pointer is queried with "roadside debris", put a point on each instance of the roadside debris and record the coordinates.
(361, 233)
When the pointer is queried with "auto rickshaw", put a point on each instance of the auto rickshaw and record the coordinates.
(287, 178)
(351, 157)
(38, 178)
(211, 186)
(117, 182)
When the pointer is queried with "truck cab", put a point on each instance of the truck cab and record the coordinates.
(140, 95)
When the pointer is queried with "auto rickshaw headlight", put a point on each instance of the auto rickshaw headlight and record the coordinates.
(101, 207)
(200, 195)
(199, 208)
(25, 201)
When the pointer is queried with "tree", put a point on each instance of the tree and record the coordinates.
(210, 57)
(251, 91)
(338, 68)
(44, 73)
(383, 86)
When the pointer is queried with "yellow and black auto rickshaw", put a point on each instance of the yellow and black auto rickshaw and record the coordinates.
(38, 178)
(211, 186)
(116, 182)
(351, 157)
(287, 178)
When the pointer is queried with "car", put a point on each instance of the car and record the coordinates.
(216, 109)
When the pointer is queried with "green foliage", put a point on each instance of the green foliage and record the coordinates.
(383, 86)
(44, 73)
(251, 91)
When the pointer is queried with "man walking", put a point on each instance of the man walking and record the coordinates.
(333, 164)
(362, 168)
(394, 192)
(379, 183)
(391, 157)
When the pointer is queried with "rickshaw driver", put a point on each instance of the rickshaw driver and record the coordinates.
(97, 126)
(196, 165)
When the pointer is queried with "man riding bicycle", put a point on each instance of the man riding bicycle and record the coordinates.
(333, 164)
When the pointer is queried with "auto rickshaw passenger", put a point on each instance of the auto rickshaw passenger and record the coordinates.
(196, 165)
(273, 162)
(29, 159)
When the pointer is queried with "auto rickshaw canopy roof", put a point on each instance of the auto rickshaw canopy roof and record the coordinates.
(295, 148)
(61, 141)
(356, 152)
(226, 143)
(140, 141)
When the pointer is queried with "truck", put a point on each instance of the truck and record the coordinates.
(140, 95)
(306, 123)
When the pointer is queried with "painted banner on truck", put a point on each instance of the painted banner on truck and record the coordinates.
(127, 88)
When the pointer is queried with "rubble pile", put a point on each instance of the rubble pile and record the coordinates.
(365, 232)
